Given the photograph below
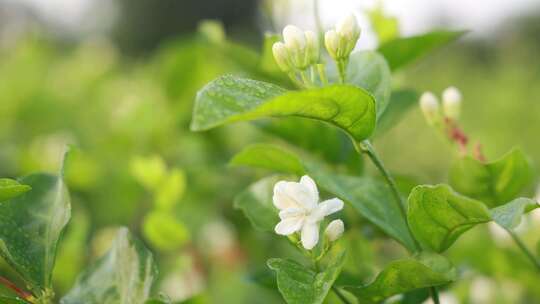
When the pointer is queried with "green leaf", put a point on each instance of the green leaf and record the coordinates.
(371, 198)
(424, 270)
(400, 103)
(370, 71)
(438, 216)
(164, 231)
(230, 99)
(493, 183)
(124, 275)
(402, 51)
(268, 157)
(509, 215)
(256, 203)
(10, 188)
(386, 27)
(170, 190)
(6, 300)
(301, 285)
(30, 226)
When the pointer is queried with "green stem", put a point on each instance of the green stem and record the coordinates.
(524, 248)
(340, 295)
(318, 23)
(322, 74)
(434, 295)
(368, 149)
(305, 78)
(342, 67)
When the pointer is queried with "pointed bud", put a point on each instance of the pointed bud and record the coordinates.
(281, 55)
(294, 38)
(334, 230)
(349, 28)
(430, 107)
(451, 102)
(331, 41)
(312, 47)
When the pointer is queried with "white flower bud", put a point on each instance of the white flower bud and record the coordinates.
(312, 47)
(451, 102)
(348, 28)
(331, 41)
(334, 230)
(281, 55)
(430, 107)
(294, 38)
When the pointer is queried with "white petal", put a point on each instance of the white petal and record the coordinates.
(310, 235)
(307, 182)
(326, 208)
(289, 225)
(303, 196)
(291, 212)
(334, 230)
(281, 199)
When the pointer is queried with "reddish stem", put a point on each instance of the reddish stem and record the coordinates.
(20, 292)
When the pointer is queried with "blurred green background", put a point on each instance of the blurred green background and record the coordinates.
(123, 97)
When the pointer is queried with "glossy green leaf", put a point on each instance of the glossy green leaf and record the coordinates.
(10, 188)
(509, 215)
(268, 157)
(256, 203)
(230, 99)
(124, 275)
(401, 102)
(493, 183)
(370, 71)
(424, 270)
(438, 216)
(371, 198)
(30, 226)
(402, 51)
(301, 285)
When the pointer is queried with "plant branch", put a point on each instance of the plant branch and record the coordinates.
(340, 295)
(434, 295)
(20, 292)
(524, 249)
(368, 149)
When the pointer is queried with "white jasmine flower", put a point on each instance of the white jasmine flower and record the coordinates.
(331, 41)
(341, 41)
(300, 210)
(294, 37)
(334, 230)
(430, 107)
(451, 102)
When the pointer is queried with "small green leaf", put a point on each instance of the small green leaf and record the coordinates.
(438, 216)
(402, 51)
(148, 171)
(301, 285)
(509, 215)
(30, 226)
(268, 157)
(230, 99)
(493, 183)
(124, 275)
(370, 71)
(400, 103)
(256, 203)
(164, 231)
(10, 188)
(170, 190)
(425, 270)
(386, 27)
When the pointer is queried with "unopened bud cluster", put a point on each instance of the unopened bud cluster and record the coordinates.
(451, 106)
(299, 52)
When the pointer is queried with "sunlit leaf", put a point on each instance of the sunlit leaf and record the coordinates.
(406, 275)
(269, 157)
(124, 275)
(509, 215)
(30, 226)
(10, 188)
(493, 183)
(301, 285)
(256, 203)
(370, 71)
(170, 190)
(438, 216)
(164, 231)
(402, 51)
(230, 99)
